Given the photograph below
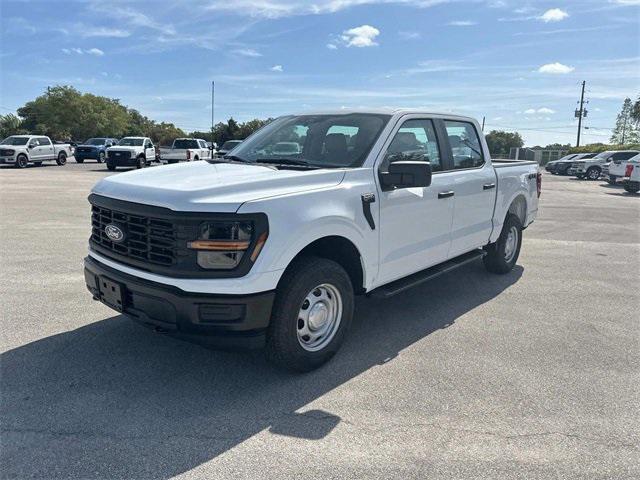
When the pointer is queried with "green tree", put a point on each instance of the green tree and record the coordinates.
(626, 130)
(501, 142)
(10, 125)
(635, 111)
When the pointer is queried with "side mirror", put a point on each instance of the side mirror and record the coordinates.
(32, 145)
(406, 174)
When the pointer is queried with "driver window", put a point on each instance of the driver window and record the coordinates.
(34, 142)
(415, 141)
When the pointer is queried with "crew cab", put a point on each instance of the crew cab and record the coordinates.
(631, 179)
(618, 165)
(269, 251)
(186, 149)
(21, 150)
(592, 168)
(94, 149)
(136, 152)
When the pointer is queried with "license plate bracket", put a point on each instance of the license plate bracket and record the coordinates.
(111, 293)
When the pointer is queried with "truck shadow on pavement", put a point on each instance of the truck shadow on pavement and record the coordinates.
(114, 400)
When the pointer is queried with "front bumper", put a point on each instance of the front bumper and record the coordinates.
(7, 160)
(87, 155)
(212, 319)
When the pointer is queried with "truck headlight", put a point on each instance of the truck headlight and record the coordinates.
(221, 245)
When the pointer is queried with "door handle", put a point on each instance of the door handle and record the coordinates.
(448, 194)
(488, 186)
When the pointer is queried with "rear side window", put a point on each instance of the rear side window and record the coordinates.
(466, 148)
(44, 141)
(415, 140)
(624, 155)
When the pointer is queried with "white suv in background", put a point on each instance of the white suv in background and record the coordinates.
(619, 164)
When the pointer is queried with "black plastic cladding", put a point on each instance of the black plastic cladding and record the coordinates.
(156, 237)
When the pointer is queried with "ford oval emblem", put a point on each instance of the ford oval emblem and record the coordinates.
(114, 233)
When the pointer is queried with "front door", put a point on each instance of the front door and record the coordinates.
(415, 223)
(150, 151)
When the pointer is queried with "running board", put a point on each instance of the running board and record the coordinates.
(393, 288)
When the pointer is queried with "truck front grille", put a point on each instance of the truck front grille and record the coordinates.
(84, 149)
(119, 155)
(146, 239)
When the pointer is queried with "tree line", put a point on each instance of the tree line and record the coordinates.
(64, 113)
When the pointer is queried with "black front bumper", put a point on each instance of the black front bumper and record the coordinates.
(212, 319)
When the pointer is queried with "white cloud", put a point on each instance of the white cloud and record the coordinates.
(462, 23)
(91, 31)
(362, 36)
(555, 68)
(332, 46)
(543, 110)
(625, 2)
(277, 68)
(409, 35)
(79, 51)
(553, 15)
(247, 52)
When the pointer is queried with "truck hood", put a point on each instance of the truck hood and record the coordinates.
(211, 187)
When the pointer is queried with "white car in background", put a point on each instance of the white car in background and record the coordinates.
(618, 165)
(136, 152)
(632, 175)
(186, 150)
(593, 168)
(21, 150)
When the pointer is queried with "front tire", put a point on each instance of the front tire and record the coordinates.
(632, 187)
(311, 314)
(503, 254)
(101, 157)
(62, 159)
(593, 173)
(141, 163)
(79, 160)
(22, 161)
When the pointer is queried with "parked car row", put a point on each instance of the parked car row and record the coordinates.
(613, 165)
(21, 150)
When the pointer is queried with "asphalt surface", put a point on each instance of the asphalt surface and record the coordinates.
(534, 374)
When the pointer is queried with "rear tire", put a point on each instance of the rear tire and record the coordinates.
(101, 157)
(503, 254)
(37, 164)
(22, 161)
(62, 159)
(632, 187)
(311, 314)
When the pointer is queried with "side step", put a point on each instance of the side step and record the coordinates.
(393, 288)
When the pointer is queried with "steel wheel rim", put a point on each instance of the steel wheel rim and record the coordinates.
(510, 244)
(319, 317)
(594, 174)
(101, 157)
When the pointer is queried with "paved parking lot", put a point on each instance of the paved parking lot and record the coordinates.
(530, 375)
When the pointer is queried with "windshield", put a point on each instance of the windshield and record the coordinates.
(95, 141)
(131, 142)
(185, 143)
(327, 141)
(230, 144)
(15, 141)
(602, 155)
(567, 157)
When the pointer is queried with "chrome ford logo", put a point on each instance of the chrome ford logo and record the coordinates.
(114, 233)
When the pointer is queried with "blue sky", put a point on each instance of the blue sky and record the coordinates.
(519, 63)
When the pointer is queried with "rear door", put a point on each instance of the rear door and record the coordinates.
(474, 183)
(415, 223)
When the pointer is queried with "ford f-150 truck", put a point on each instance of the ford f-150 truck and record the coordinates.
(257, 249)
(186, 150)
(618, 165)
(592, 168)
(136, 152)
(21, 150)
(94, 148)
(631, 177)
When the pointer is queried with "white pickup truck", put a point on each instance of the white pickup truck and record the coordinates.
(136, 152)
(631, 177)
(265, 250)
(21, 150)
(186, 150)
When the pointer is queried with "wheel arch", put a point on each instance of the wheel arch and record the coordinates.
(518, 207)
(342, 251)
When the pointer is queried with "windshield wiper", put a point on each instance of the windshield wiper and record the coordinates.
(286, 161)
(228, 159)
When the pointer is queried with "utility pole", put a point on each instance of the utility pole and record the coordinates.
(213, 88)
(580, 113)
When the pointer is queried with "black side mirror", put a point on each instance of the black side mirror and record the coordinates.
(406, 174)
